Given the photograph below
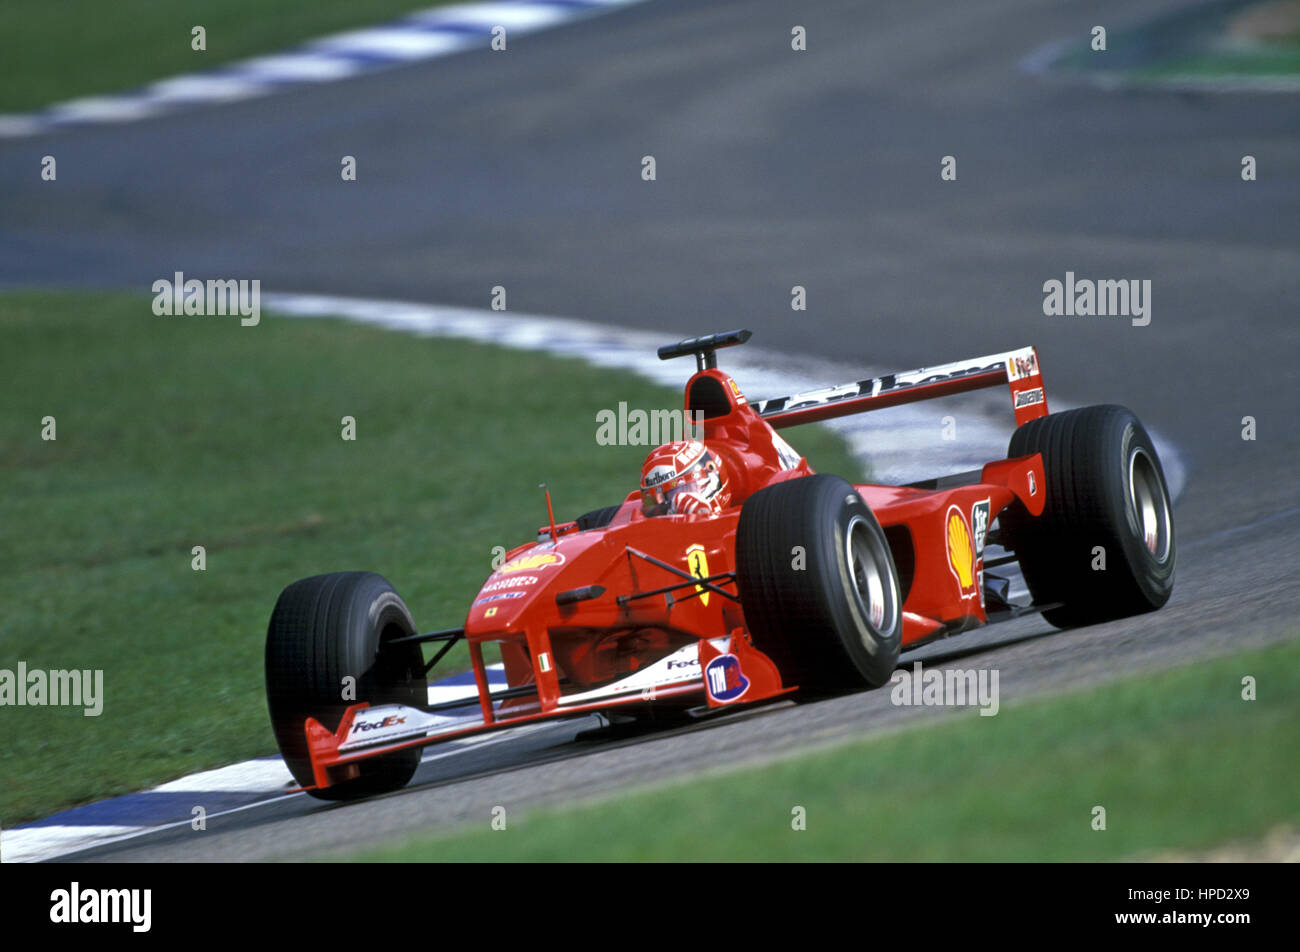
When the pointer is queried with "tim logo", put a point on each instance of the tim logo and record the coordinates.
(723, 680)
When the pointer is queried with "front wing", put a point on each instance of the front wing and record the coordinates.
(726, 671)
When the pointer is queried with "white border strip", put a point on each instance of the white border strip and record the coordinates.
(252, 780)
(425, 35)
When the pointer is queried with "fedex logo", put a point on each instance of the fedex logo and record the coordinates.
(390, 721)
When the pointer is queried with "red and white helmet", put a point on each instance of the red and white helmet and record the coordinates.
(683, 477)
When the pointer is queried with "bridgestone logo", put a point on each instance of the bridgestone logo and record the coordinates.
(1027, 398)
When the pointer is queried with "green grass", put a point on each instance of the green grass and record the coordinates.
(1178, 760)
(54, 50)
(1263, 61)
(181, 431)
(1195, 43)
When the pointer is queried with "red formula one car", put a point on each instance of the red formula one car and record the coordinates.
(787, 581)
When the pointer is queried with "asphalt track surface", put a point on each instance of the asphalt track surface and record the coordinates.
(775, 168)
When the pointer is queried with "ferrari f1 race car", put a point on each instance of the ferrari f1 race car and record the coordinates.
(735, 575)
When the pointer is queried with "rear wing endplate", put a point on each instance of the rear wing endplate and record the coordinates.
(1019, 369)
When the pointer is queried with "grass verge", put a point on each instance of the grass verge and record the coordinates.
(1253, 62)
(72, 48)
(175, 432)
(1178, 760)
(1228, 42)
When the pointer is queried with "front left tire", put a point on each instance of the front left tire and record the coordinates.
(326, 629)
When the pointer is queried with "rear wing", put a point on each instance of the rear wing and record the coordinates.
(1017, 368)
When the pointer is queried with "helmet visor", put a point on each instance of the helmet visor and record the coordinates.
(700, 481)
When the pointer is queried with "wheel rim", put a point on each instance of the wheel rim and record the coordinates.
(1149, 504)
(873, 583)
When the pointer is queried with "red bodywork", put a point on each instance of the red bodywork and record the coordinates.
(595, 620)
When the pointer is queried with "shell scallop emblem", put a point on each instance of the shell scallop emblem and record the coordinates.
(961, 551)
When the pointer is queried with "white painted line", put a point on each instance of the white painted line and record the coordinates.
(33, 849)
(513, 16)
(13, 127)
(263, 774)
(31, 845)
(263, 777)
(36, 844)
(206, 88)
(395, 43)
(423, 35)
(301, 67)
(462, 686)
(104, 109)
(454, 747)
(439, 695)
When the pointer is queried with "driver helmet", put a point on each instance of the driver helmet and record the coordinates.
(683, 477)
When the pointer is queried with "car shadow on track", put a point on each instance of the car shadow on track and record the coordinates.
(979, 641)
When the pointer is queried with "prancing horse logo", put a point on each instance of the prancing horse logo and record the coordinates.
(698, 562)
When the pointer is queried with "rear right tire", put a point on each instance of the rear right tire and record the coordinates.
(1104, 545)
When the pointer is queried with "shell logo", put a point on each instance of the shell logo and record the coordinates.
(961, 551)
(531, 563)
